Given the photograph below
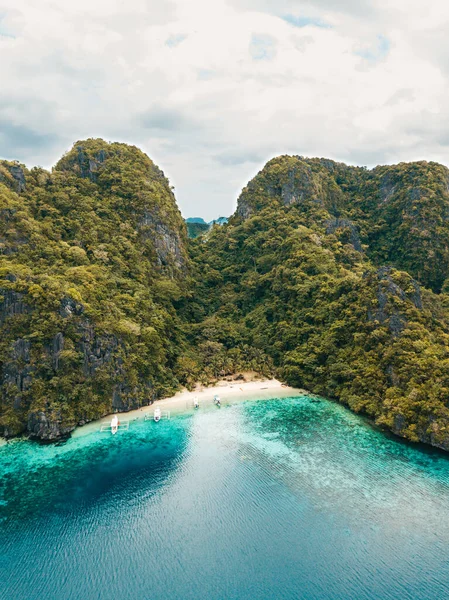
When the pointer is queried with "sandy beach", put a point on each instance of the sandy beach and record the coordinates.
(228, 391)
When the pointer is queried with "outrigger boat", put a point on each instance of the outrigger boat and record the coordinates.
(114, 425)
(157, 415)
(196, 403)
(217, 401)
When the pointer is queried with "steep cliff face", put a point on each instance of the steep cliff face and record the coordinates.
(142, 194)
(93, 257)
(306, 269)
(392, 300)
(12, 174)
(102, 309)
(284, 181)
(400, 212)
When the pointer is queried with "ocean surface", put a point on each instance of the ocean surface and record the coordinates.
(281, 499)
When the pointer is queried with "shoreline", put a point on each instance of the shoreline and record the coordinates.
(239, 391)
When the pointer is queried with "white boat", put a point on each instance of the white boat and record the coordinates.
(217, 400)
(157, 414)
(114, 425)
(196, 403)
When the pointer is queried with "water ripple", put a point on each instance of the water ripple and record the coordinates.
(280, 499)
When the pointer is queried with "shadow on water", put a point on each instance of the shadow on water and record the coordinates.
(41, 480)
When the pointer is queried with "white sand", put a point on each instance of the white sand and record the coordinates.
(235, 391)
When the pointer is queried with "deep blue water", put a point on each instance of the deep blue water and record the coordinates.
(281, 499)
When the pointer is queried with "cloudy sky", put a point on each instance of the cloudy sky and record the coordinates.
(212, 89)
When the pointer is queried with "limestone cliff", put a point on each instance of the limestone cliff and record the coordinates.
(400, 213)
(93, 257)
(324, 267)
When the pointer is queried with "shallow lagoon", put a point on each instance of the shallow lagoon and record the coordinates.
(275, 499)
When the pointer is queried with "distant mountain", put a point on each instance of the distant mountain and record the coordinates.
(219, 221)
(198, 220)
(197, 226)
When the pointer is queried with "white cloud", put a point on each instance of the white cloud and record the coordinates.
(211, 89)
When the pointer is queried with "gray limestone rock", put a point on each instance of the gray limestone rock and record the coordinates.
(70, 307)
(334, 225)
(12, 303)
(18, 176)
(387, 290)
(167, 242)
(47, 429)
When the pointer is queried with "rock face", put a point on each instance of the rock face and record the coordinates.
(47, 428)
(89, 166)
(12, 303)
(13, 175)
(398, 213)
(431, 432)
(345, 225)
(96, 350)
(388, 293)
(90, 256)
(167, 241)
(70, 307)
(17, 371)
(287, 180)
(297, 186)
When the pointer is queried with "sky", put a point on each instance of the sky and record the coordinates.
(213, 89)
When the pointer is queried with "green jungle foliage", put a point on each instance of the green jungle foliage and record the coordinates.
(194, 230)
(93, 263)
(93, 272)
(298, 272)
(401, 212)
(334, 278)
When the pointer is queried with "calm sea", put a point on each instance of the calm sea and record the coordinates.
(280, 499)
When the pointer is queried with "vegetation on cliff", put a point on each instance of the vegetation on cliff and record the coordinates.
(94, 284)
(400, 212)
(93, 262)
(332, 277)
(300, 271)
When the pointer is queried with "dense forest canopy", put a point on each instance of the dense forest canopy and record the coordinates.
(399, 213)
(332, 277)
(93, 260)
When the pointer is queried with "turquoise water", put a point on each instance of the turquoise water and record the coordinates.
(280, 499)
